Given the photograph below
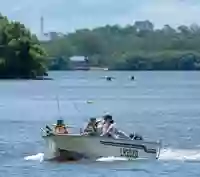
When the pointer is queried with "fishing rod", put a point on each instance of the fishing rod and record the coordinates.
(58, 106)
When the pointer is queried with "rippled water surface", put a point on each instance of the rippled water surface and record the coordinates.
(158, 105)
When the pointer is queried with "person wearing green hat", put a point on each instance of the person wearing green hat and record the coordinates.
(91, 128)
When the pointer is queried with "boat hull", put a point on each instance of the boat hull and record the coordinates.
(74, 147)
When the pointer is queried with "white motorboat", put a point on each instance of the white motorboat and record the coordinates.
(62, 146)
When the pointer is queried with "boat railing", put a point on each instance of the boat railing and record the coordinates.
(43, 132)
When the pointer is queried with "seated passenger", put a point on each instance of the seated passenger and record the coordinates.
(61, 130)
(101, 123)
(109, 129)
(91, 127)
(106, 123)
(112, 131)
(61, 127)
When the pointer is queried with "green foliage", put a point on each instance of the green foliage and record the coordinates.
(134, 47)
(21, 55)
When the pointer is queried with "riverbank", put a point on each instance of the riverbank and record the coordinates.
(25, 78)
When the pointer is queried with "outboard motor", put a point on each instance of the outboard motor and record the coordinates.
(135, 136)
(138, 137)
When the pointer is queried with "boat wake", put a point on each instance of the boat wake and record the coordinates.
(37, 157)
(189, 155)
(185, 155)
(111, 159)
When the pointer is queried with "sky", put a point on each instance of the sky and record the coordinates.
(68, 15)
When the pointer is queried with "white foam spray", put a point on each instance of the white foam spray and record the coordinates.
(169, 154)
(180, 155)
(111, 159)
(37, 157)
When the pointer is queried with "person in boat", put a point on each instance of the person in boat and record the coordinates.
(107, 125)
(61, 128)
(97, 127)
(103, 124)
(91, 128)
(113, 132)
(110, 129)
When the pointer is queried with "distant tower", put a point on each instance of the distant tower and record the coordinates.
(42, 25)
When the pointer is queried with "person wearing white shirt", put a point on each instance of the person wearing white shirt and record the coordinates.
(109, 129)
(103, 124)
(113, 132)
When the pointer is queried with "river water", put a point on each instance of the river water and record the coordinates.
(158, 105)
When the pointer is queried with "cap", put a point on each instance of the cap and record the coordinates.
(107, 117)
(92, 119)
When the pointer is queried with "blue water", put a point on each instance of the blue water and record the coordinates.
(158, 105)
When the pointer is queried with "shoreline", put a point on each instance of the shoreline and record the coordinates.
(49, 78)
(23, 78)
(125, 70)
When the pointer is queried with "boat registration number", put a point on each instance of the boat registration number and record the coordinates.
(128, 152)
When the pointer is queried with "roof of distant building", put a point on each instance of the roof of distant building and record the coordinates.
(77, 58)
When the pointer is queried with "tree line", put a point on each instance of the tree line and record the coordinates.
(21, 55)
(134, 47)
